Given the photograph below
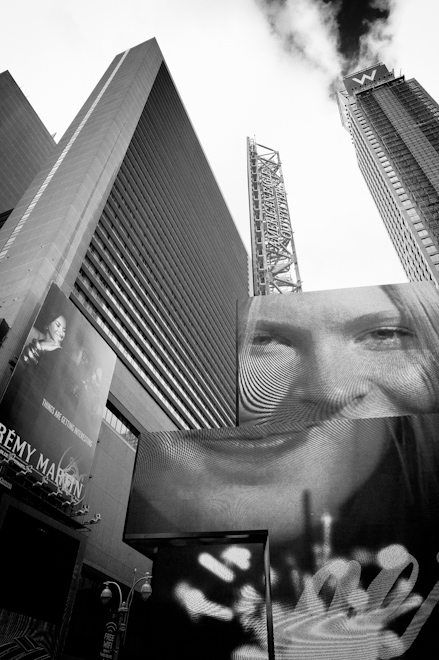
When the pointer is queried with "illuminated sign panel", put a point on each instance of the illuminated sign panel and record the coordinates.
(375, 74)
(52, 410)
(346, 353)
(212, 599)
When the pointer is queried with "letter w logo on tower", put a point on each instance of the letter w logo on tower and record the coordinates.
(365, 77)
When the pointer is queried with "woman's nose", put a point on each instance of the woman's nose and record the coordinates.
(326, 382)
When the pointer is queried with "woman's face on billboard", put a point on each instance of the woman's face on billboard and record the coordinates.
(350, 353)
(254, 477)
(56, 330)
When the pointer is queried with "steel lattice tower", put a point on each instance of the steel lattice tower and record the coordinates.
(274, 260)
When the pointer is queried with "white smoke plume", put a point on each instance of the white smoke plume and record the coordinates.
(334, 36)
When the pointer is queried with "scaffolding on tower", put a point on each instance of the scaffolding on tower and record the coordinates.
(274, 260)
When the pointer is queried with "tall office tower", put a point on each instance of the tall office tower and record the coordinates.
(274, 260)
(394, 125)
(126, 218)
(25, 143)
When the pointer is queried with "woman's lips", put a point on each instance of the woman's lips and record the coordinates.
(259, 438)
(250, 460)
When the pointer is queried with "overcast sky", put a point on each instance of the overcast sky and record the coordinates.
(259, 68)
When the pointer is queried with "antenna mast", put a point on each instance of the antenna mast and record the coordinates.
(274, 260)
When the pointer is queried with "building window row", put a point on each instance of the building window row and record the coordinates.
(152, 326)
(107, 329)
(82, 277)
(129, 200)
(404, 160)
(416, 266)
(129, 322)
(121, 425)
(109, 256)
(111, 231)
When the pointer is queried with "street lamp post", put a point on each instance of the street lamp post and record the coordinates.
(123, 611)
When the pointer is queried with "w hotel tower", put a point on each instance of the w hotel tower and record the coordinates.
(394, 125)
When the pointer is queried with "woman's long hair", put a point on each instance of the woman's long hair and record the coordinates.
(400, 501)
(419, 303)
(417, 436)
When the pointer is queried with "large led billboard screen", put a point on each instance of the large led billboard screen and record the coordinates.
(346, 353)
(351, 510)
(336, 458)
(51, 412)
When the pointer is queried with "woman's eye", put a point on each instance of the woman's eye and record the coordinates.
(269, 340)
(387, 338)
(261, 340)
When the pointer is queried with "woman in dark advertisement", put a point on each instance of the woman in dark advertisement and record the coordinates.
(61, 361)
(346, 471)
(43, 341)
(52, 409)
(37, 366)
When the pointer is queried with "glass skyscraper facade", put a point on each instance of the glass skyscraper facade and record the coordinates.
(394, 125)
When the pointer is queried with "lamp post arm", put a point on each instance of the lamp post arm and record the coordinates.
(130, 597)
(131, 592)
(119, 590)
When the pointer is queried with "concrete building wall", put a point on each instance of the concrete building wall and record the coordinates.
(25, 143)
(109, 486)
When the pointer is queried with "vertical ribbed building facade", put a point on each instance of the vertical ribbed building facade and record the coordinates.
(394, 125)
(163, 267)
